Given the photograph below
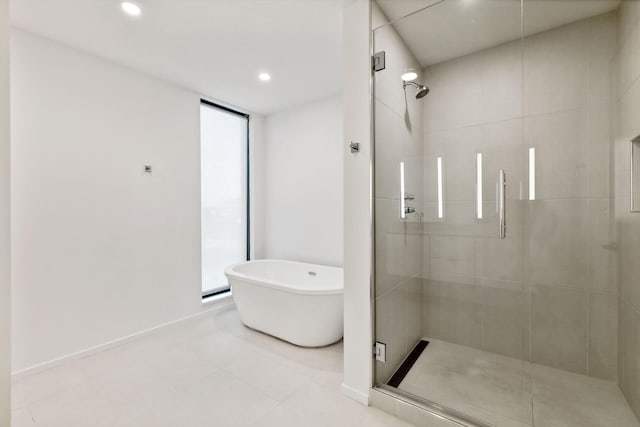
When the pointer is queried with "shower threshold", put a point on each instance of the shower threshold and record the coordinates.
(505, 391)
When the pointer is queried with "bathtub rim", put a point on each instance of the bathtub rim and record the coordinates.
(281, 286)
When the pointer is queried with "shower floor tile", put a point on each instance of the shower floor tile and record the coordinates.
(509, 392)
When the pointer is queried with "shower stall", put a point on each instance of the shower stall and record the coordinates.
(507, 242)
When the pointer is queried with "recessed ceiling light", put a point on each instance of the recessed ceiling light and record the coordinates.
(410, 75)
(265, 77)
(130, 8)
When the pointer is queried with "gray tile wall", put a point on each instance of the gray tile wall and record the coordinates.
(547, 293)
(627, 223)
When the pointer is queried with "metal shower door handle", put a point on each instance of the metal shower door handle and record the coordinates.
(502, 191)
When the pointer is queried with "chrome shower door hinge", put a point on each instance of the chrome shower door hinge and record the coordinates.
(380, 351)
(378, 60)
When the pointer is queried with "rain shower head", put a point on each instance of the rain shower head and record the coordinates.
(422, 90)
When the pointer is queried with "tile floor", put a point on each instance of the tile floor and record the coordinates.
(208, 371)
(510, 392)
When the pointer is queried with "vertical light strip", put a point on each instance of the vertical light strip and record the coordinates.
(440, 192)
(479, 185)
(532, 173)
(403, 214)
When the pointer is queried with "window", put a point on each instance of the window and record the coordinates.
(224, 161)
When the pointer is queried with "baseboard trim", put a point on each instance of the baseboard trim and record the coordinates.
(16, 375)
(354, 394)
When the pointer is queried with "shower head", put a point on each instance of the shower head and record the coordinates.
(422, 90)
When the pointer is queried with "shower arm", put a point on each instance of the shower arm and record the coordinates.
(407, 83)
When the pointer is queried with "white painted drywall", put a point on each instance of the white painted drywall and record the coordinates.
(303, 183)
(217, 47)
(101, 250)
(5, 249)
(257, 186)
(357, 200)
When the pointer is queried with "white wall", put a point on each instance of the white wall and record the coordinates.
(4, 217)
(257, 186)
(357, 200)
(303, 183)
(101, 249)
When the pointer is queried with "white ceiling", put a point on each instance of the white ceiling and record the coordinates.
(454, 28)
(215, 47)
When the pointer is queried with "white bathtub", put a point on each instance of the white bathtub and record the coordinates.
(297, 302)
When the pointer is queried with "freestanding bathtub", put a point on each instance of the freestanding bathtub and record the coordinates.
(297, 302)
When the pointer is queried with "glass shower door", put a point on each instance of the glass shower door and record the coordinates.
(450, 298)
(498, 270)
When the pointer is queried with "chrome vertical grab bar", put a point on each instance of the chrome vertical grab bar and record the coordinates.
(502, 190)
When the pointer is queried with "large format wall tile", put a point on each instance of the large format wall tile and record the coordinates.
(503, 316)
(404, 254)
(558, 251)
(555, 72)
(603, 340)
(459, 219)
(560, 140)
(628, 16)
(394, 144)
(622, 172)
(453, 259)
(503, 148)
(462, 314)
(503, 95)
(398, 247)
(502, 259)
(430, 172)
(388, 84)
(559, 327)
(516, 216)
(628, 227)
(631, 334)
(398, 324)
(426, 256)
(621, 346)
(628, 125)
(388, 151)
(412, 294)
(390, 331)
(628, 48)
(457, 149)
(601, 52)
(432, 308)
(599, 148)
(602, 254)
(456, 97)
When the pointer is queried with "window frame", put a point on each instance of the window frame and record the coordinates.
(219, 291)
